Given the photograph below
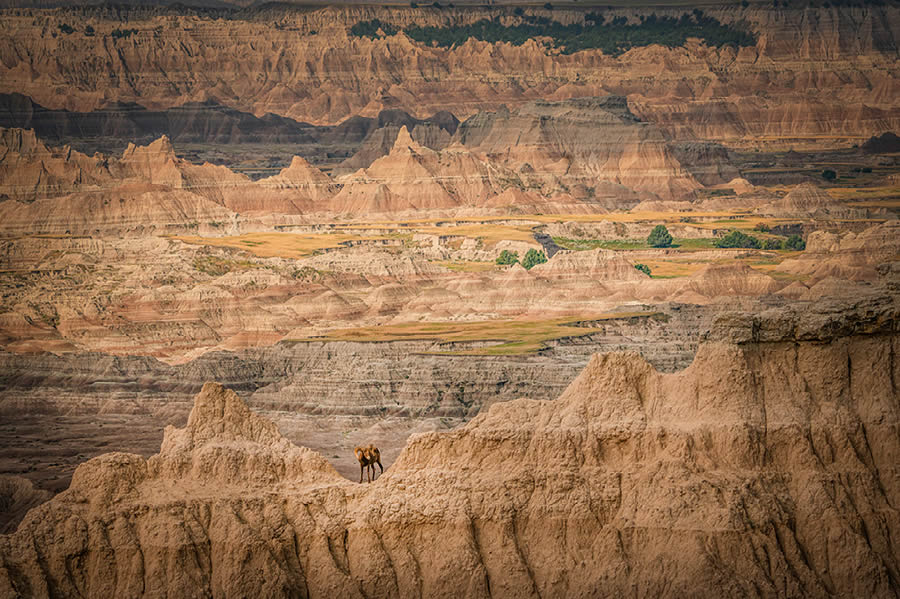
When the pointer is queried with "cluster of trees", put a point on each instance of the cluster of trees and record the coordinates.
(370, 28)
(532, 258)
(738, 239)
(613, 38)
(123, 33)
(643, 268)
(661, 238)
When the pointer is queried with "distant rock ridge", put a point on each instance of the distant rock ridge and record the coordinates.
(767, 467)
(690, 92)
(807, 200)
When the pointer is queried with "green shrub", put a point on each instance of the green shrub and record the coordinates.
(507, 257)
(659, 237)
(533, 258)
(737, 239)
(66, 28)
(829, 175)
(762, 228)
(772, 244)
(794, 243)
(643, 268)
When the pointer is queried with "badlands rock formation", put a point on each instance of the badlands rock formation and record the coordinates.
(805, 201)
(304, 64)
(864, 256)
(149, 187)
(579, 141)
(769, 466)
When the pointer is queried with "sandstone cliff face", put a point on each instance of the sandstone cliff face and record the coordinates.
(276, 64)
(767, 467)
(29, 169)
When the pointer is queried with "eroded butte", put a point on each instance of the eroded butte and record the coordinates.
(612, 289)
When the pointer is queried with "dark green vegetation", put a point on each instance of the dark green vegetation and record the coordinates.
(533, 258)
(659, 237)
(738, 239)
(829, 175)
(370, 28)
(123, 33)
(794, 243)
(613, 37)
(66, 28)
(629, 244)
(643, 268)
(507, 257)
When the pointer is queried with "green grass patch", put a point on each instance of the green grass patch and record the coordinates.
(216, 266)
(630, 244)
(508, 337)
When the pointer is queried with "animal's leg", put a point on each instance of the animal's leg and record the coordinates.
(360, 471)
(370, 470)
(380, 466)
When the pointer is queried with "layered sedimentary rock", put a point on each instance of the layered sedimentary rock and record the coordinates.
(766, 467)
(579, 141)
(864, 256)
(808, 201)
(304, 64)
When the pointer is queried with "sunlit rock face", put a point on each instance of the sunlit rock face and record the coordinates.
(674, 483)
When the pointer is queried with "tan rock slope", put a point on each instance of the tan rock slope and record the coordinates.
(806, 201)
(768, 467)
(148, 188)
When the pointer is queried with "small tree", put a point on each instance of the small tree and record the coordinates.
(548, 6)
(533, 258)
(772, 244)
(643, 268)
(507, 257)
(762, 228)
(659, 237)
(829, 175)
(794, 243)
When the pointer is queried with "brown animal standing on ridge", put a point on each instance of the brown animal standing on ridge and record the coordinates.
(368, 456)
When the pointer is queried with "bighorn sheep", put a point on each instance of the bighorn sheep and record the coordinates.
(368, 456)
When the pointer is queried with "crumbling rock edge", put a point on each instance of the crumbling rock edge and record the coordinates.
(766, 468)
